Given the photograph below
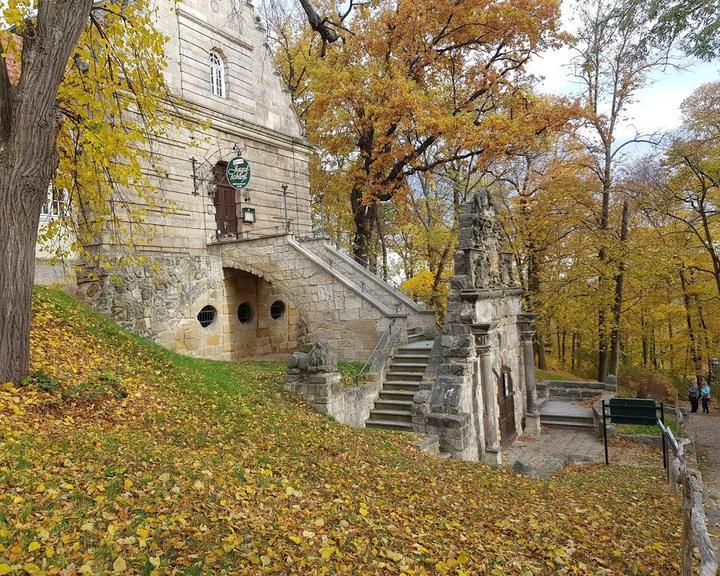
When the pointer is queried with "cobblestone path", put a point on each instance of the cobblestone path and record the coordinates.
(558, 447)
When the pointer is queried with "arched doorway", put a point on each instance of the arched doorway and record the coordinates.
(262, 321)
(506, 406)
(226, 218)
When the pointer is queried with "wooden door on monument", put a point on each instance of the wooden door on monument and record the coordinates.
(506, 404)
(226, 218)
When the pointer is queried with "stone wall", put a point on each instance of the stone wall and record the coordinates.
(161, 299)
(325, 390)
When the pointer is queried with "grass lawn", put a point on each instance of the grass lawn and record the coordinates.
(123, 458)
(650, 430)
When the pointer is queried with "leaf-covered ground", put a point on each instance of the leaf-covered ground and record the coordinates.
(122, 458)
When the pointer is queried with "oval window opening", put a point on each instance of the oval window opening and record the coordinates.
(277, 309)
(206, 316)
(245, 312)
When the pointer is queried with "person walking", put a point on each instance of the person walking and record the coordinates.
(693, 396)
(705, 397)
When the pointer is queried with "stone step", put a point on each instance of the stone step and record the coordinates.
(402, 385)
(574, 393)
(572, 384)
(566, 424)
(399, 395)
(398, 405)
(389, 425)
(391, 416)
(396, 366)
(423, 346)
(418, 337)
(554, 416)
(405, 376)
(412, 357)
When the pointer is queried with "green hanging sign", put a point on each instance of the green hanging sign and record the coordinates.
(238, 172)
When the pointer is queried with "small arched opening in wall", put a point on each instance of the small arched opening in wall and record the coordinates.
(207, 316)
(277, 310)
(253, 329)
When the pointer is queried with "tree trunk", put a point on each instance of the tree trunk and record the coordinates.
(602, 346)
(644, 339)
(29, 126)
(365, 216)
(671, 348)
(540, 350)
(18, 233)
(573, 344)
(696, 359)
(619, 291)
(383, 247)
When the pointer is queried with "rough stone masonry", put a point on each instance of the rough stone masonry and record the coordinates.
(478, 393)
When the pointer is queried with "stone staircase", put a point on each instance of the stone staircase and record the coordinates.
(564, 403)
(367, 283)
(392, 409)
(563, 414)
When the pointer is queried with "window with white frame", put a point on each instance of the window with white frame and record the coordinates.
(56, 205)
(217, 75)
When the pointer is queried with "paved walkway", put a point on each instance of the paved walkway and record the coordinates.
(558, 447)
(705, 428)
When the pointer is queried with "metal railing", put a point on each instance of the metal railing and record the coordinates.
(385, 340)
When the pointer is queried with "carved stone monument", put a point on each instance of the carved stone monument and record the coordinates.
(479, 391)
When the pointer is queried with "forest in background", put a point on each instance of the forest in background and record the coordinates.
(413, 108)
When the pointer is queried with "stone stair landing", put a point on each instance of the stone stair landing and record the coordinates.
(393, 408)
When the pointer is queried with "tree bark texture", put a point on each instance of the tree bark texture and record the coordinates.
(365, 217)
(619, 292)
(28, 160)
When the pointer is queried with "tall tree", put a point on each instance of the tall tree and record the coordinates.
(415, 85)
(81, 91)
(613, 60)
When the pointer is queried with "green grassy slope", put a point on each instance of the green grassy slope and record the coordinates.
(120, 457)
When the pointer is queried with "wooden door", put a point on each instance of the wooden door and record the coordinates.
(506, 404)
(225, 210)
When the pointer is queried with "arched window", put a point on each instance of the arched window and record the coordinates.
(217, 75)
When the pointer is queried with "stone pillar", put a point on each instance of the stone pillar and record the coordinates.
(492, 453)
(532, 413)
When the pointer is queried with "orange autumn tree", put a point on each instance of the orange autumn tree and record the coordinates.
(415, 85)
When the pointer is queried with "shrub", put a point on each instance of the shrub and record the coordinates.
(646, 382)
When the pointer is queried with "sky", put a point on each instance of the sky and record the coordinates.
(656, 107)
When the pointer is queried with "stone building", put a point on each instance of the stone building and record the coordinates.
(478, 391)
(237, 273)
